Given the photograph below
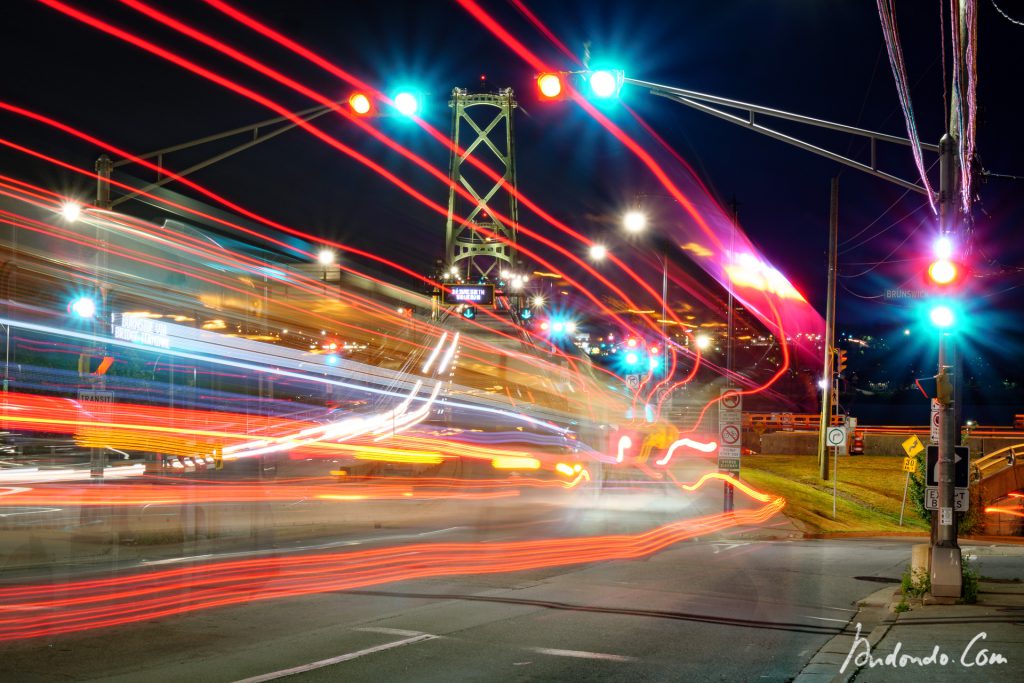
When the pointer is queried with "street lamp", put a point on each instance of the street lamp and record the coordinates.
(325, 257)
(71, 211)
(634, 221)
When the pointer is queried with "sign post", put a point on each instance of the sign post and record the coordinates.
(99, 401)
(835, 438)
(911, 447)
(730, 441)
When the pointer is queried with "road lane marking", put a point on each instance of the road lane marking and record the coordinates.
(841, 621)
(336, 660)
(581, 654)
(728, 546)
(390, 631)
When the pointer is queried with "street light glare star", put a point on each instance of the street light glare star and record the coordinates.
(598, 252)
(703, 341)
(325, 257)
(634, 221)
(71, 211)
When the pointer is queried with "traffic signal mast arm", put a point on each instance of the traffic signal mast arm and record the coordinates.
(702, 102)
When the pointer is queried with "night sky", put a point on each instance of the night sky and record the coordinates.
(824, 59)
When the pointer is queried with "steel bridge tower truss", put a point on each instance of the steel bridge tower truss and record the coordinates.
(477, 242)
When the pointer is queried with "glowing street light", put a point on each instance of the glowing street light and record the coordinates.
(703, 341)
(598, 252)
(538, 301)
(83, 307)
(634, 221)
(325, 257)
(71, 211)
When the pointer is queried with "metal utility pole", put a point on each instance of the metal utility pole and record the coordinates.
(729, 491)
(97, 455)
(946, 561)
(828, 376)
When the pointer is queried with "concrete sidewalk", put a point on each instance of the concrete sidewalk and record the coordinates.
(934, 643)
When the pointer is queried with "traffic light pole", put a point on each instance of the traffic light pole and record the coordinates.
(830, 330)
(946, 560)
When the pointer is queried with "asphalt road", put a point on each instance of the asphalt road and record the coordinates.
(708, 609)
(746, 603)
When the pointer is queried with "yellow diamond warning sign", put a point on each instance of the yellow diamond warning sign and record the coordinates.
(913, 446)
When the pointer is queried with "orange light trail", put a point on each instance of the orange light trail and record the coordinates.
(1003, 511)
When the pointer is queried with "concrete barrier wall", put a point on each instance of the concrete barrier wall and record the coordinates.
(806, 443)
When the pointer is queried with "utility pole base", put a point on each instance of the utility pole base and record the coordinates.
(947, 574)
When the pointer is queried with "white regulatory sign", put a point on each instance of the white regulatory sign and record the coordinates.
(961, 501)
(835, 437)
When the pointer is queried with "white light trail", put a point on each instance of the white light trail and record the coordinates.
(433, 354)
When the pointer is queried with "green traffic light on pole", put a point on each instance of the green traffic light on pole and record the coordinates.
(942, 316)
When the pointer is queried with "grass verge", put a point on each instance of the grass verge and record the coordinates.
(870, 489)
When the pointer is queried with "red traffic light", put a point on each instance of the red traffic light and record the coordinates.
(360, 103)
(943, 272)
(550, 86)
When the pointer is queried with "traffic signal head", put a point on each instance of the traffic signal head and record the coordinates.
(942, 316)
(550, 86)
(840, 361)
(944, 270)
(360, 103)
(605, 83)
(407, 103)
(469, 312)
(526, 314)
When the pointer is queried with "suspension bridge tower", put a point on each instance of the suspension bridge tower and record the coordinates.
(480, 243)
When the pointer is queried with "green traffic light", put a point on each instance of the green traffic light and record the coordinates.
(942, 316)
(605, 83)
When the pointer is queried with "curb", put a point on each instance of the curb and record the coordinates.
(874, 620)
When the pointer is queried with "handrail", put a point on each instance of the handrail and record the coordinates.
(994, 458)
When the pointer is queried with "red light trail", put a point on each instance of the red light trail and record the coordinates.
(32, 610)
